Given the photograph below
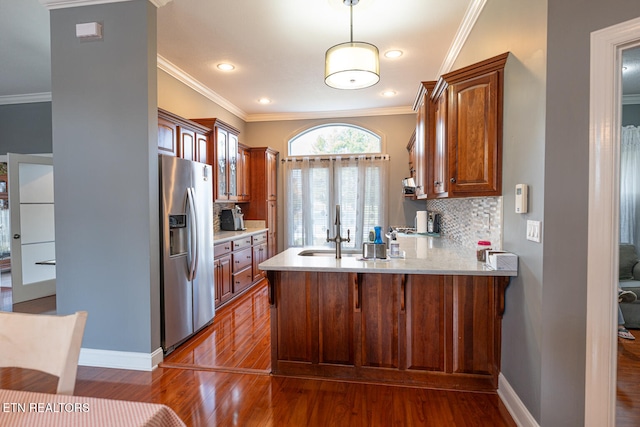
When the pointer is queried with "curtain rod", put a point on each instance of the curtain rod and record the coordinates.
(326, 159)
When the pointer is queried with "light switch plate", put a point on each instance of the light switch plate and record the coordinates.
(534, 231)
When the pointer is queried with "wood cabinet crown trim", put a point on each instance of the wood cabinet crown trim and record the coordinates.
(424, 88)
(213, 122)
(181, 121)
(488, 65)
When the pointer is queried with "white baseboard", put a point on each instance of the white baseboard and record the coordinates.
(120, 359)
(516, 408)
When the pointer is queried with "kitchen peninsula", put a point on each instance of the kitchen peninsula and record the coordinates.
(430, 319)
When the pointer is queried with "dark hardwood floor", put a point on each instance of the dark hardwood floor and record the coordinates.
(628, 385)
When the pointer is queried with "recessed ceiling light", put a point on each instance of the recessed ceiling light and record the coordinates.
(391, 54)
(389, 93)
(264, 101)
(225, 66)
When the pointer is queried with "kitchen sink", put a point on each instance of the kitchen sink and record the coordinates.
(329, 252)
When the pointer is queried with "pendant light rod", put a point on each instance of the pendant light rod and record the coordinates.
(351, 3)
(351, 34)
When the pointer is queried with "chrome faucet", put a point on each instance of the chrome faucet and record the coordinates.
(338, 239)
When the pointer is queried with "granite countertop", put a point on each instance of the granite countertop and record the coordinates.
(422, 255)
(225, 236)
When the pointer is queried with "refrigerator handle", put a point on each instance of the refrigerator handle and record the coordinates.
(193, 248)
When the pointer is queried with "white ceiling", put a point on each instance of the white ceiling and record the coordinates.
(277, 47)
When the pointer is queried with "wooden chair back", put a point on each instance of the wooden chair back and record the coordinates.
(44, 343)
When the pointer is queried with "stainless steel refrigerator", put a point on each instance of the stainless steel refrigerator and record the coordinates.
(186, 232)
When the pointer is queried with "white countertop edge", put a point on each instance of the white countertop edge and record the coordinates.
(223, 236)
(373, 269)
(441, 259)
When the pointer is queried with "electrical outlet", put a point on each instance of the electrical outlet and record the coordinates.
(534, 231)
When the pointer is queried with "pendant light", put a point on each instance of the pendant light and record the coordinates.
(351, 65)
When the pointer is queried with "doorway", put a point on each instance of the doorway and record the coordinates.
(27, 283)
(607, 46)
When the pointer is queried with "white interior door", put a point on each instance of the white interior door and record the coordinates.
(31, 208)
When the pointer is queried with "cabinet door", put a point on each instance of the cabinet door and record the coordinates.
(167, 137)
(474, 146)
(221, 165)
(218, 283)
(187, 146)
(223, 279)
(259, 255)
(244, 170)
(232, 176)
(272, 167)
(379, 320)
(440, 146)
(419, 150)
(272, 221)
(201, 148)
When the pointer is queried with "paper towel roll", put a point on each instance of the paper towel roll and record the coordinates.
(421, 222)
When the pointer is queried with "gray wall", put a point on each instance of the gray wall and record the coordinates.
(25, 128)
(570, 23)
(105, 160)
(631, 115)
(519, 27)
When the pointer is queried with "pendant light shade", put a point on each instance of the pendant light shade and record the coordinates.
(352, 65)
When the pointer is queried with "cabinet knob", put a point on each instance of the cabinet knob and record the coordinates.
(453, 180)
(437, 183)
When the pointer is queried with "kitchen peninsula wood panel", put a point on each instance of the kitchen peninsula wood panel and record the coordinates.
(427, 330)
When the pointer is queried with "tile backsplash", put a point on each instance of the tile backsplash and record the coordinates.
(470, 219)
(217, 208)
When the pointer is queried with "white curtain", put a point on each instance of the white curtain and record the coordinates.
(313, 188)
(630, 186)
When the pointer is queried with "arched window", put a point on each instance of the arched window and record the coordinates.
(329, 165)
(335, 139)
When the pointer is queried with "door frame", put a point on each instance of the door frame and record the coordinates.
(605, 112)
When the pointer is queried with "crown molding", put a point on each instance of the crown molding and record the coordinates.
(177, 73)
(62, 4)
(468, 21)
(329, 114)
(631, 99)
(25, 98)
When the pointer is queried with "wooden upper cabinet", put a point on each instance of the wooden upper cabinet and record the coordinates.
(474, 127)
(243, 173)
(183, 138)
(187, 144)
(263, 206)
(438, 147)
(225, 154)
(422, 160)
(272, 166)
(167, 136)
(458, 137)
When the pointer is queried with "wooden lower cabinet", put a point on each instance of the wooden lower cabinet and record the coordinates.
(423, 330)
(236, 266)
